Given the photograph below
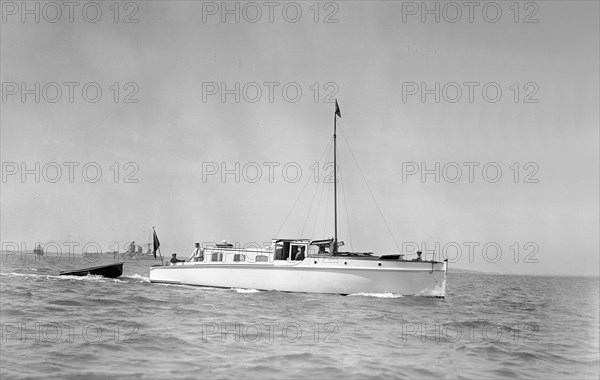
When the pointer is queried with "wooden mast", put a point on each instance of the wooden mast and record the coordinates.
(335, 115)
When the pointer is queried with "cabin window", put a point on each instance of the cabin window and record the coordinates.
(320, 249)
(260, 258)
(217, 256)
(239, 257)
(298, 252)
(286, 250)
(282, 250)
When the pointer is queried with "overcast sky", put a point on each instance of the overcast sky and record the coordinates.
(197, 92)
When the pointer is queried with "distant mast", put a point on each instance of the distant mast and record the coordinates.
(335, 116)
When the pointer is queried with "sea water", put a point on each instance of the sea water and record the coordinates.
(488, 326)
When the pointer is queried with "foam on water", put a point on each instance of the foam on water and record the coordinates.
(89, 277)
(429, 293)
(240, 290)
(138, 277)
(378, 295)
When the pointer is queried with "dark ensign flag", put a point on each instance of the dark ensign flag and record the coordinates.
(156, 244)
(337, 109)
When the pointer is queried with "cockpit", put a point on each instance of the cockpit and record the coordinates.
(294, 250)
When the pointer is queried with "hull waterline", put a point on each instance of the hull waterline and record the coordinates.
(346, 276)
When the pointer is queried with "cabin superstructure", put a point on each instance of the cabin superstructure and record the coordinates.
(287, 250)
(279, 250)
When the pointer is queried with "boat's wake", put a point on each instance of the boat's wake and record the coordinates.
(91, 278)
(137, 277)
(240, 290)
(378, 295)
(431, 293)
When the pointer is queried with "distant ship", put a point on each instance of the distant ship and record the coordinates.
(38, 250)
(135, 252)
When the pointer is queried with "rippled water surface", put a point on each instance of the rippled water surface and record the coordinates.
(488, 326)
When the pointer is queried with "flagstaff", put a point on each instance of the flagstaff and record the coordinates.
(156, 246)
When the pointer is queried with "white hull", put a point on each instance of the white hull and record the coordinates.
(339, 275)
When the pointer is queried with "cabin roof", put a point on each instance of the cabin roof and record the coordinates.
(322, 241)
(300, 240)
